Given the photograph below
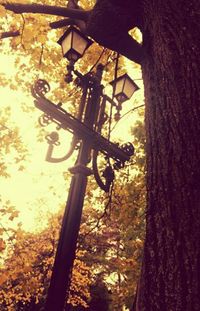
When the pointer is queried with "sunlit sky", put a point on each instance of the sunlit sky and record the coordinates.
(29, 190)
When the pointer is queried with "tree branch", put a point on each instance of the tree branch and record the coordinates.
(46, 9)
(62, 23)
(103, 23)
(121, 43)
(9, 34)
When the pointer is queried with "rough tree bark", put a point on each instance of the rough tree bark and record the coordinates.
(170, 278)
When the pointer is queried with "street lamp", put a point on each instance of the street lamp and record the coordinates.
(74, 44)
(123, 88)
(86, 128)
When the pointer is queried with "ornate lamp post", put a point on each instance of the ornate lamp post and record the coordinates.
(86, 129)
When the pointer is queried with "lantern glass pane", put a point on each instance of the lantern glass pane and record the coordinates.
(129, 88)
(79, 43)
(66, 43)
(119, 85)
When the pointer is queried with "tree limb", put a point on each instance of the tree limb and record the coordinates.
(73, 4)
(62, 23)
(9, 34)
(103, 23)
(46, 9)
(123, 44)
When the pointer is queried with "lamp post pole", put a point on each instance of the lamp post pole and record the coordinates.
(60, 280)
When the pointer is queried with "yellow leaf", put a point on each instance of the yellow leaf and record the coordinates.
(16, 41)
(2, 245)
(3, 278)
(28, 35)
(27, 269)
(2, 11)
(14, 215)
(42, 39)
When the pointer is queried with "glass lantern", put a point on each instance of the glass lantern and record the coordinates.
(123, 88)
(74, 43)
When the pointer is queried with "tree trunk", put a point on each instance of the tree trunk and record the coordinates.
(170, 277)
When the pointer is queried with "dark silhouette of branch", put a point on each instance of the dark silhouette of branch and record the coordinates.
(9, 34)
(46, 9)
(107, 23)
(62, 23)
(105, 213)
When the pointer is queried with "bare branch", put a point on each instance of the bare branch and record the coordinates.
(105, 213)
(22, 33)
(103, 23)
(62, 23)
(9, 34)
(41, 55)
(46, 9)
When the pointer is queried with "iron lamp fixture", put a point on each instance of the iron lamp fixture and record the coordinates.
(86, 128)
(123, 88)
(74, 44)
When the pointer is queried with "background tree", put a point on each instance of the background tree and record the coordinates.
(26, 270)
(10, 141)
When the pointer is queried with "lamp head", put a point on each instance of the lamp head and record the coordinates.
(74, 43)
(123, 88)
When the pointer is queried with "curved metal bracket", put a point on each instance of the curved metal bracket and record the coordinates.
(53, 140)
(129, 149)
(44, 120)
(40, 88)
(108, 174)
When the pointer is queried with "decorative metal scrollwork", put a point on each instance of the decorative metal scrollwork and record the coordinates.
(53, 138)
(40, 88)
(115, 155)
(128, 148)
(118, 165)
(44, 120)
